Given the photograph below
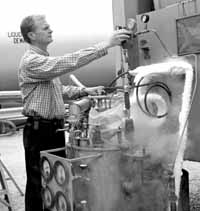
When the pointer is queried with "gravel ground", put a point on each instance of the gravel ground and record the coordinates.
(12, 155)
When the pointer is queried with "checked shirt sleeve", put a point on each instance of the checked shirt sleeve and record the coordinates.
(41, 67)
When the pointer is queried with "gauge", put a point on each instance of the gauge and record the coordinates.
(61, 173)
(62, 203)
(145, 18)
(131, 23)
(48, 198)
(46, 169)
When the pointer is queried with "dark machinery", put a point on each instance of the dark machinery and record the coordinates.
(109, 164)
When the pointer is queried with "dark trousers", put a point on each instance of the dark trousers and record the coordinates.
(39, 135)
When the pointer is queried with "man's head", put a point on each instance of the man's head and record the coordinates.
(36, 30)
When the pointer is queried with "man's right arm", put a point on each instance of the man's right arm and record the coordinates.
(39, 67)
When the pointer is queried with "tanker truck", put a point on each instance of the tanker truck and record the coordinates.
(86, 29)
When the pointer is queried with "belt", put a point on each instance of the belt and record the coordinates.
(37, 121)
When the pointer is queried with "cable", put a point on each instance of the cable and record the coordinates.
(158, 84)
(153, 84)
(116, 78)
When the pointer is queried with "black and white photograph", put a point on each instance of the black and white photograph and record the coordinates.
(99, 105)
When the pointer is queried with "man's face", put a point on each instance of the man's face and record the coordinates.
(42, 32)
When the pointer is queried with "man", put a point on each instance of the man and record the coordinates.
(42, 95)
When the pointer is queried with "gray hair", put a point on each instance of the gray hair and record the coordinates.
(28, 25)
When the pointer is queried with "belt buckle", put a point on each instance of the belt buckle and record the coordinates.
(58, 121)
(36, 124)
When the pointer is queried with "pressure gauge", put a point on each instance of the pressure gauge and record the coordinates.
(131, 23)
(48, 198)
(46, 169)
(62, 203)
(61, 173)
(145, 18)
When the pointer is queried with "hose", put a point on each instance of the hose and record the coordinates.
(152, 85)
(12, 127)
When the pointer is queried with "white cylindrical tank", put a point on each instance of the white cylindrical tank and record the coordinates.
(76, 24)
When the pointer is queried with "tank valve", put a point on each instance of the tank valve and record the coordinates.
(84, 205)
(83, 166)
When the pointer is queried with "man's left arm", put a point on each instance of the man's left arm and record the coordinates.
(73, 92)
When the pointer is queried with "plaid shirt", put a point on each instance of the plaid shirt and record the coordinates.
(39, 80)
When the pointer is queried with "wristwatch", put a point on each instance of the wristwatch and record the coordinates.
(83, 92)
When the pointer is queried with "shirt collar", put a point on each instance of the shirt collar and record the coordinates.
(38, 50)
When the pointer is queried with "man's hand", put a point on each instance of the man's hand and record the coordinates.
(97, 90)
(117, 37)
